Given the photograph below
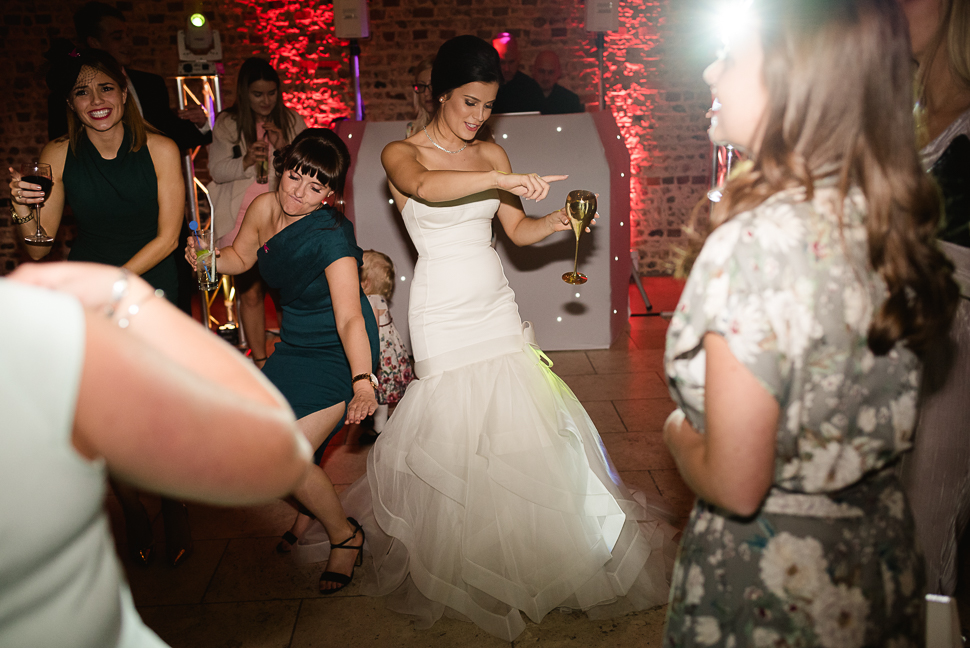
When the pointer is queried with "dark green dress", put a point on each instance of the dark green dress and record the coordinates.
(309, 365)
(116, 206)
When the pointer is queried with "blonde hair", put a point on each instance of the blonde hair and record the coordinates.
(421, 116)
(813, 126)
(379, 270)
(952, 39)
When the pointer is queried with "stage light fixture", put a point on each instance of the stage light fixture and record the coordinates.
(199, 46)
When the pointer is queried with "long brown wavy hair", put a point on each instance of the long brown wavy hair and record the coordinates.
(252, 70)
(839, 78)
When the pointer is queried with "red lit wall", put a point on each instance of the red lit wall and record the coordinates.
(652, 82)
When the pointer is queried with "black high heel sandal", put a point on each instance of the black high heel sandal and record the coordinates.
(286, 544)
(342, 579)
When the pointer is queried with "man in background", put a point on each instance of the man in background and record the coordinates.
(556, 100)
(519, 93)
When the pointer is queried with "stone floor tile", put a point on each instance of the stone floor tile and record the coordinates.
(259, 624)
(251, 570)
(161, 584)
(607, 361)
(647, 340)
(604, 417)
(617, 386)
(623, 342)
(644, 414)
(570, 363)
(212, 522)
(362, 622)
(637, 451)
(640, 480)
(674, 490)
(575, 629)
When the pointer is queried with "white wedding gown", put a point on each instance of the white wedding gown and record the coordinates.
(490, 493)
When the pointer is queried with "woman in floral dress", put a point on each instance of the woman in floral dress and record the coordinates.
(794, 352)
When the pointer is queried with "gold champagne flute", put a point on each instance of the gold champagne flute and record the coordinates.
(581, 208)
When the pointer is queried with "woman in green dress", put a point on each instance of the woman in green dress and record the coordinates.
(795, 352)
(325, 359)
(123, 181)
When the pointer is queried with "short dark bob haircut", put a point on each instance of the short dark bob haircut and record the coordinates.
(461, 60)
(319, 153)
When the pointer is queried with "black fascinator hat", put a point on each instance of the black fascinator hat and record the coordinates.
(66, 62)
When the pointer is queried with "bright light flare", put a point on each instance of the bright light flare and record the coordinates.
(734, 18)
(197, 19)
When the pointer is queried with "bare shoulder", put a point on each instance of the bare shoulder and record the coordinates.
(494, 154)
(161, 145)
(55, 152)
(398, 150)
(264, 205)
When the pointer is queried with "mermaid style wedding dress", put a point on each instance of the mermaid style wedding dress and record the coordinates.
(490, 493)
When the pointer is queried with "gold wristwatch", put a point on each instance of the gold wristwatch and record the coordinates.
(366, 376)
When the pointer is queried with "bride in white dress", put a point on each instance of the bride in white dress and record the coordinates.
(489, 493)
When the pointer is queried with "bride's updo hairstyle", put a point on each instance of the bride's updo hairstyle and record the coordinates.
(318, 153)
(839, 77)
(461, 60)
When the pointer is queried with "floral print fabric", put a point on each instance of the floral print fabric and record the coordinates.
(830, 559)
(395, 372)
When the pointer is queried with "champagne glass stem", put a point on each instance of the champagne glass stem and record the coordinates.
(576, 258)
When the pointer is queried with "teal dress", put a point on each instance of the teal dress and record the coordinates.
(309, 365)
(115, 203)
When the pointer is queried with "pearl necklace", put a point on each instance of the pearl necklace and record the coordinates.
(439, 146)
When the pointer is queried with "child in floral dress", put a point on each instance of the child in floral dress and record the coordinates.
(377, 282)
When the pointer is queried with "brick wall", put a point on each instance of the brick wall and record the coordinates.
(653, 80)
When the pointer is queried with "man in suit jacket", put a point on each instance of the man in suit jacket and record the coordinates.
(556, 99)
(519, 93)
(101, 26)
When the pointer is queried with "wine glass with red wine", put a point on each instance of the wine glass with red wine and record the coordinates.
(38, 173)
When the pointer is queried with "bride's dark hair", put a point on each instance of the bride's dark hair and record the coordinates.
(461, 60)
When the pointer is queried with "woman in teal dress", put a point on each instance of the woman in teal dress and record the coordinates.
(795, 352)
(325, 359)
(123, 181)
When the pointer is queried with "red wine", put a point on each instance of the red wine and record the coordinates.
(45, 183)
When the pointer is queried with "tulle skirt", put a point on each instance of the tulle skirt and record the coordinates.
(490, 494)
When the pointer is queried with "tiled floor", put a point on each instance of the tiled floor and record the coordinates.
(237, 592)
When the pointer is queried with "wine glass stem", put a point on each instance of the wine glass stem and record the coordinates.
(576, 258)
(40, 232)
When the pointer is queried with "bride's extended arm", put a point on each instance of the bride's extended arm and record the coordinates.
(412, 178)
(521, 229)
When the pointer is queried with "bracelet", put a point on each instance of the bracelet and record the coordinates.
(20, 220)
(133, 309)
(119, 289)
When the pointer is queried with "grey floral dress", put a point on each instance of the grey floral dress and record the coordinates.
(830, 559)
